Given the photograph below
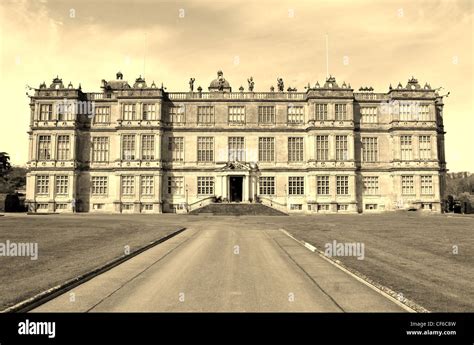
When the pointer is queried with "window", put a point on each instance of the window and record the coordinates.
(342, 207)
(295, 149)
(128, 185)
(296, 207)
(128, 147)
(322, 147)
(371, 185)
(173, 208)
(42, 184)
(423, 112)
(266, 185)
(405, 112)
(205, 185)
(61, 206)
(266, 114)
(146, 184)
(127, 207)
(63, 147)
(175, 185)
(46, 112)
(341, 147)
(102, 115)
(426, 185)
(405, 147)
(236, 149)
(149, 111)
(62, 182)
(176, 114)
(176, 149)
(99, 185)
(100, 149)
(296, 185)
(44, 147)
(64, 111)
(148, 147)
(323, 207)
(322, 185)
(295, 115)
(236, 115)
(408, 186)
(370, 206)
(369, 149)
(342, 185)
(425, 147)
(147, 207)
(341, 112)
(205, 115)
(321, 112)
(266, 149)
(205, 149)
(98, 206)
(426, 206)
(41, 206)
(368, 115)
(129, 112)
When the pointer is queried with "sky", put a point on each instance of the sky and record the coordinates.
(371, 43)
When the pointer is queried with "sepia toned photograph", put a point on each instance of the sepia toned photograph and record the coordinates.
(235, 163)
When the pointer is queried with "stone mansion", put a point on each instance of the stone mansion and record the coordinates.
(138, 148)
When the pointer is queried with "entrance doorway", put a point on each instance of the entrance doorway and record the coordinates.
(235, 188)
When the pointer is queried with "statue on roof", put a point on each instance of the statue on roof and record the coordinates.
(281, 85)
(221, 81)
(251, 84)
(191, 84)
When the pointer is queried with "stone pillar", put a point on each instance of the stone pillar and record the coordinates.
(332, 147)
(73, 146)
(434, 147)
(350, 146)
(54, 146)
(158, 144)
(245, 185)
(416, 147)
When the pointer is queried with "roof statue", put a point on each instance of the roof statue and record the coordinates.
(220, 83)
(251, 84)
(281, 84)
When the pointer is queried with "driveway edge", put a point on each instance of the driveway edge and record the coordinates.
(43, 297)
(405, 303)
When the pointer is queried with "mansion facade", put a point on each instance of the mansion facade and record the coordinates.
(141, 149)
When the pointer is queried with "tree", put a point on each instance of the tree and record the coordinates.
(4, 163)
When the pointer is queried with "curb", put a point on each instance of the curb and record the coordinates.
(43, 297)
(405, 303)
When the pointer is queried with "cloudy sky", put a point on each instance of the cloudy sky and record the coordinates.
(371, 43)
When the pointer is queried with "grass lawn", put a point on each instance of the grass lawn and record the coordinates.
(68, 246)
(411, 253)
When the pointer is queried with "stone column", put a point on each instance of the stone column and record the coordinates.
(332, 147)
(434, 147)
(54, 146)
(350, 146)
(245, 185)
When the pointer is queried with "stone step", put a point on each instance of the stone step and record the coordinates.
(238, 209)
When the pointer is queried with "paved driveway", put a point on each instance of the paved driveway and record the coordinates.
(224, 266)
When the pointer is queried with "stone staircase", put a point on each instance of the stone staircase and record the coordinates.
(237, 209)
